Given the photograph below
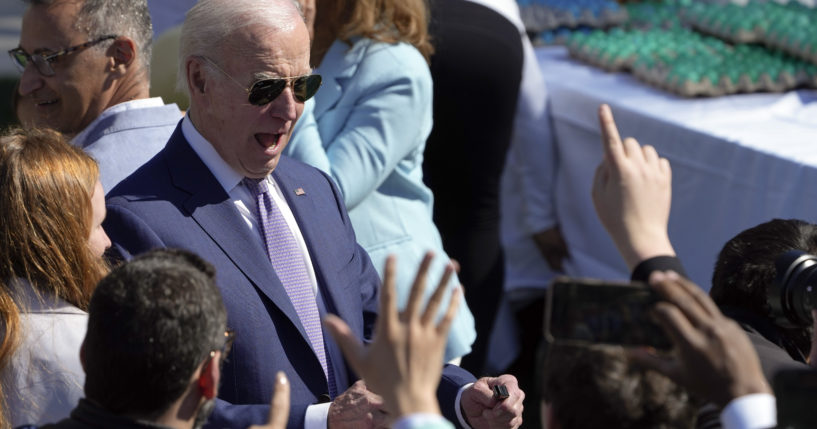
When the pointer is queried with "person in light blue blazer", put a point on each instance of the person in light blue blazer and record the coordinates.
(367, 129)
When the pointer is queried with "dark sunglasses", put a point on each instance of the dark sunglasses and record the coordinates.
(43, 61)
(265, 90)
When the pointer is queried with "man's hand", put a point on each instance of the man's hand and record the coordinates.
(552, 246)
(355, 408)
(632, 193)
(482, 411)
(713, 356)
(279, 406)
(405, 360)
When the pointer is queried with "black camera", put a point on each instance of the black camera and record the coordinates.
(794, 292)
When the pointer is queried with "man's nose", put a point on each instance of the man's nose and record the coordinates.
(285, 105)
(31, 80)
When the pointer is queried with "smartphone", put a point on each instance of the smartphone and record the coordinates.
(796, 394)
(595, 311)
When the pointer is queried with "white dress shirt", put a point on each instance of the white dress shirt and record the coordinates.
(757, 411)
(141, 103)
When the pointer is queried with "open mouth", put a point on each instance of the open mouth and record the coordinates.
(267, 140)
(45, 102)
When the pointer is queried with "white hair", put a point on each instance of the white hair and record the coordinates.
(211, 22)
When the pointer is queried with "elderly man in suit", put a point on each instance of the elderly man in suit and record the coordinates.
(275, 229)
(86, 72)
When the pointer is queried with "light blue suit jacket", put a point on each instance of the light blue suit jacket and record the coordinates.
(367, 128)
(122, 142)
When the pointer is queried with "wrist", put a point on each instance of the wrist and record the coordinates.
(638, 249)
(425, 404)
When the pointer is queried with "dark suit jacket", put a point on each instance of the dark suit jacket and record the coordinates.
(174, 201)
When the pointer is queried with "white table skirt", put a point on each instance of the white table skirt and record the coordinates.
(737, 161)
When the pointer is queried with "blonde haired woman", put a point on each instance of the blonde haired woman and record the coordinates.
(51, 246)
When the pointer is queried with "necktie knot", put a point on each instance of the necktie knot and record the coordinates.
(256, 186)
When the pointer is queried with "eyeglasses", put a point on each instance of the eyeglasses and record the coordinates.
(265, 90)
(43, 61)
(229, 338)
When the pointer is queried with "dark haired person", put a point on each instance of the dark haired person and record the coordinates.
(602, 379)
(85, 68)
(156, 338)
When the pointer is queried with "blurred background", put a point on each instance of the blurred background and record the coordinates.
(11, 13)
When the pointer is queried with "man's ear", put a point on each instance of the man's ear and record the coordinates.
(209, 377)
(123, 54)
(196, 77)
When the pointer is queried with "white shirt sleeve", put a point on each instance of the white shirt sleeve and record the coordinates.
(756, 411)
(458, 408)
(317, 416)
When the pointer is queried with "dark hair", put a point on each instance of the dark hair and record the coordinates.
(151, 323)
(745, 268)
(129, 18)
(595, 386)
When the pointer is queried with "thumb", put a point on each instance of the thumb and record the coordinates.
(279, 406)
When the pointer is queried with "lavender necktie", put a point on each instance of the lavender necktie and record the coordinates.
(288, 261)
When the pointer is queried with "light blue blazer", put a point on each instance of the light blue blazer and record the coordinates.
(367, 128)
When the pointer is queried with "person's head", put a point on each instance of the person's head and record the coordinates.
(106, 60)
(156, 334)
(389, 21)
(51, 236)
(745, 269)
(596, 387)
(51, 212)
(229, 46)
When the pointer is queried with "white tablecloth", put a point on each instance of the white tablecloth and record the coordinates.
(737, 161)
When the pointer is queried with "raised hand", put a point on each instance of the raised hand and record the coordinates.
(632, 193)
(404, 362)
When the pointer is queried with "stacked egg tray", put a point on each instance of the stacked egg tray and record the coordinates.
(790, 27)
(642, 14)
(691, 64)
(548, 15)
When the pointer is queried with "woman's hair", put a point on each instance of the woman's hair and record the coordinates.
(388, 21)
(45, 223)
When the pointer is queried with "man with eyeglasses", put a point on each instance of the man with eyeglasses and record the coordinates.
(275, 229)
(85, 68)
(157, 336)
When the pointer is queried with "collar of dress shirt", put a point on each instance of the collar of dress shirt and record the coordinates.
(226, 175)
(117, 108)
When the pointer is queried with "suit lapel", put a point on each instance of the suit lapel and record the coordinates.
(302, 204)
(216, 214)
(339, 64)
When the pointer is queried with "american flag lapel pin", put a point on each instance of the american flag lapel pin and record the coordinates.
(300, 191)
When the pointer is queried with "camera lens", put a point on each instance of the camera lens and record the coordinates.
(792, 296)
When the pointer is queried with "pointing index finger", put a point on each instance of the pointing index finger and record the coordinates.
(610, 139)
